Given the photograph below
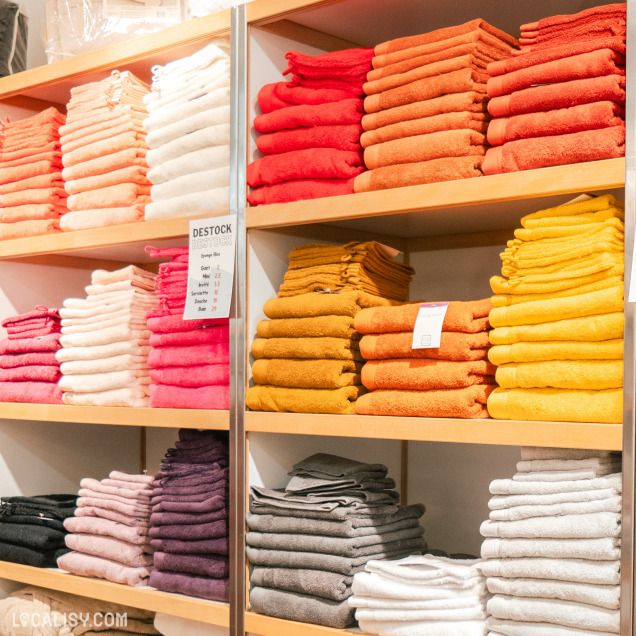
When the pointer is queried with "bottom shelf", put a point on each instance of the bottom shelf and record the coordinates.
(270, 626)
(147, 598)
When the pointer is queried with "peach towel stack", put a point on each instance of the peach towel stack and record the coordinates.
(104, 153)
(426, 106)
(32, 195)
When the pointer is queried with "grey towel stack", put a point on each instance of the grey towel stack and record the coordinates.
(553, 542)
(307, 541)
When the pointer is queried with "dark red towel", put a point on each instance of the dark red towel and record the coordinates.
(541, 152)
(282, 94)
(563, 95)
(300, 190)
(331, 83)
(313, 163)
(339, 136)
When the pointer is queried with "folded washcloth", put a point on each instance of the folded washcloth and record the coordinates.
(601, 549)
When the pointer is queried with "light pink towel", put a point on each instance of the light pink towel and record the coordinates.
(210, 353)
(136, 479)
(208, 397)
(137, 535)
(133, 556)
(140, 521)
(86, 565)
(110, 504)
(97, 486)
(192, 376)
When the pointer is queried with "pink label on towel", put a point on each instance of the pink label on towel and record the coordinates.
(427, 332)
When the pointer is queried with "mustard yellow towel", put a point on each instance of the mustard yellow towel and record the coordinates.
(305, 348)
(515, 299)
(552, 246)
(589, 264)
(593, 303)
(500, 285)
(515, 258)
(592, 217)
(562, 374)
(347, 303)
(284, 400)
(307, 374)
(564, 350)
(596, 204)
(557, 405)
(318, 327)
(587, 328)
(568, 230)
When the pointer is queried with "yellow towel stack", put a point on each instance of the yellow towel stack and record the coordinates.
(307, 354)
(558, 316)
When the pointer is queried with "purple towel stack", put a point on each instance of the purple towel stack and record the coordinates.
(189, 529)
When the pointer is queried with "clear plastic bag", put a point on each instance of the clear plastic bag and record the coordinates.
(198, 8)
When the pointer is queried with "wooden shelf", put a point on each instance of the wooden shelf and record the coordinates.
(499, 432)
(118, 416)
(270, 626)
(197, 609)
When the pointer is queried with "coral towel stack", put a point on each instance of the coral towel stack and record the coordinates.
(105, 340)
(189, 134)
(308, 540)
(104, 146)
(307, 355)
(558, 316)
(562, 100)
(29, 370)
(189, 359)
(553, 544)
(426, 107)
(32, 194)
(310, 128)
(453, 380)
(109, 532)
(189, 522)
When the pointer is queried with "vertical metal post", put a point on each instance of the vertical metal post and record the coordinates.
(238, 158)
(629, 378)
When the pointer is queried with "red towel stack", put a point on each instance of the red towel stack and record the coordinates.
(190, 359)
(310, 128)
(29, 370)
(104, 146)
(426, 106)
(453, 380)
(32, 195)
(562, 99)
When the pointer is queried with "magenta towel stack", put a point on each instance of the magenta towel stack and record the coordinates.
(189, 359)
(109, 532)
(29, 370)
(189, 522)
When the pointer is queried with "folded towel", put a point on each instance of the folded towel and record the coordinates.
(219, 117)
(202, 181)
(135, 397)
(50, 342)
(127, 554)
(515, 487)
(328, 585)
(87, 565)
(212, 157)
(295, 400)
(31, 392)
(307, 348)
(194, 203)
(608, 504)
(516, 628)
(425, 628)
(104, 147)
(192, 376)
(602, 549)
(130, 174)
(23, 229)
(339, 136)
(105, 164)
(179, 356)
(179, 397)
(31, 373)
(316, 327)
(183, 146)
(272, 97)
(190, 585)
(536, 452)
(105, 527)
(306, 374)
(11, 361)
(567, 350)
(31, 212)
(117, 196)
(574, 570)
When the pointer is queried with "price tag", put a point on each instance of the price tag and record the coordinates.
(210, 267)
(427, 332)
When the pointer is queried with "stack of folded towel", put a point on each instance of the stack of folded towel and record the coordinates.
(562, 100)
(421, 595)
(552, 552)
(453, 380)
(189, 134)
(558, 318)
(310, 128)
(307, 355)
(32, 194)
(189, 359)
(29, 370)
(426, 106)
(306, 542)
(109, 532)
(189, 522)
(105, 340)
(104, 146)
(32, 530)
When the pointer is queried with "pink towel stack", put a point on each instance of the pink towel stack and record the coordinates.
(109, 532)
(189, 359)
(32, 195)
(311, 128)
(29, 370)
(104, 153)
(561, 100)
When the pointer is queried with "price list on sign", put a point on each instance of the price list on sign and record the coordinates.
(212, 244)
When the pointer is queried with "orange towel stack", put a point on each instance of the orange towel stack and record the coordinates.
(32, 195)
(426, 106)
(453, 380)
(104, 153)
(562, 99)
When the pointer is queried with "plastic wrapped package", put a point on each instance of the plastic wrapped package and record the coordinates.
(78, 26)
(198, 8)
(13, 38)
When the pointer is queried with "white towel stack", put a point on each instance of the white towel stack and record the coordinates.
(552, 548)
(421, 596)
(105, 340)
(189, 134)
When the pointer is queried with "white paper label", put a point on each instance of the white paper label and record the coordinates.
(427, 332)
(210, 267)
(390, 251)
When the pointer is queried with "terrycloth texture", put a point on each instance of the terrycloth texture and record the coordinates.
(306, 374)
(565, 350)
(272, 97)
(603, 549)
(179, 397)
(298, 400)
(338, 136)
(87, 565)
(327, 585)
(516, 628)
(315, 327)
(562, 374)
(110, 548)
(312, 348)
